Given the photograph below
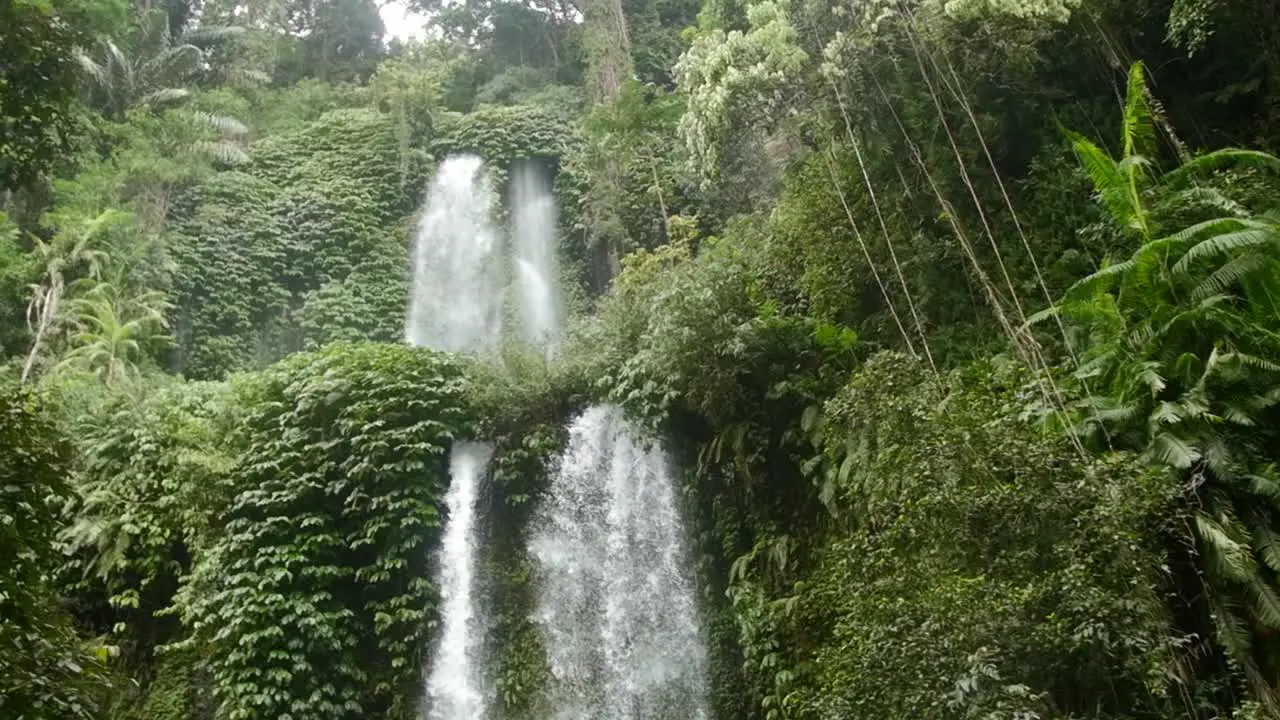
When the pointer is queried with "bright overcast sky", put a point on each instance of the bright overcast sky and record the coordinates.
(400, 23)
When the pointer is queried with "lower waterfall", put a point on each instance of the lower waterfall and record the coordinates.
(617, 601)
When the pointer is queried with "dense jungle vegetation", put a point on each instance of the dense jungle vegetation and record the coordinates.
(963, 317)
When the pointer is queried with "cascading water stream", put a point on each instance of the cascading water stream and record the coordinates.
(533, 218)
(454, 685)
(454, 305)
(617, 604)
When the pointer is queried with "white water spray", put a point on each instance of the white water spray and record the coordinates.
(533, 215)
(617, 605)
(455, 305)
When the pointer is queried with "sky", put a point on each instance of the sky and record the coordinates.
(400, 23)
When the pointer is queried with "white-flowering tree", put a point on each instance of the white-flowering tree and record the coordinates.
(736, 79)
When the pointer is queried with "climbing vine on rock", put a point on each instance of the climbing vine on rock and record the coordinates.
(315, 600)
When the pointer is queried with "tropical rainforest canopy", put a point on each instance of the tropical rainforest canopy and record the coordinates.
(962, 316)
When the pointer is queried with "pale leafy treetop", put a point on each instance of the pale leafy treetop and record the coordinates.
(1054, 10)
(726, 76)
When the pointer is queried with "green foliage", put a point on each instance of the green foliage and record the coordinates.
(149, 71)
(964, 532)
(314, 598)
(715, 334)
(356, 145)
(306, 248)
(112, 334)
(229, 259)
(45, 671)
(18, 270)
(736, 78)
(883, 538)
(38, 83)
(1178, 366)
(153, 476)
(503, 134)
(175, 691)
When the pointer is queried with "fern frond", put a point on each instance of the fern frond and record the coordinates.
(1228, 275)
(1224, 557)
(1218, 160)
(1218, 245)
(1265, 540)
(1039, 317)
(1233, 631)
(1109, 182)
(1212, 198)
(1100, 281)
(1266, 605)
(1139, 130)
(1252, 361)
(1166, 413)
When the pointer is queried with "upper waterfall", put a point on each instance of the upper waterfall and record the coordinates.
(537, 271)
(455, 299)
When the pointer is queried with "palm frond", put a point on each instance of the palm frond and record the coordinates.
(174, 63)
(116, 58)
(250, 76)
(165, 96)
(93, 69)
(221, 151)
(223, 124)
(213, 33)
(1171, 450)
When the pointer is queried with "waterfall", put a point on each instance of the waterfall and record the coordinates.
(454, 685)
(456, 264)
(454, 305)
(617, 603)
(537, 271)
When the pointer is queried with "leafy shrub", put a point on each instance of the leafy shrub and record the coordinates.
(969, 543)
